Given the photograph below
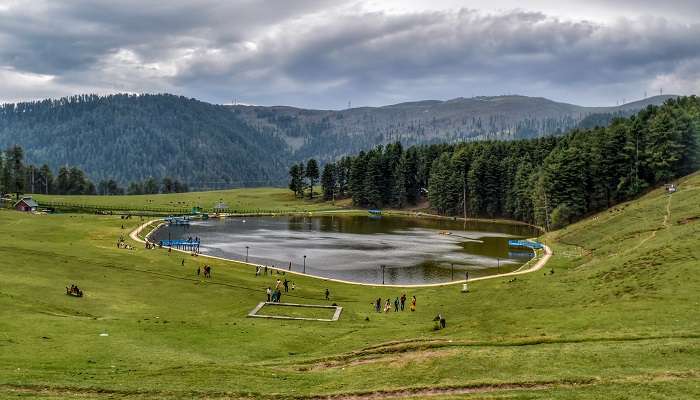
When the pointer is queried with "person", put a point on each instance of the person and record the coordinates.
(286, 285)
(293, 285)
(413, 303)
(443, 323)
(266, 270)
(396, 304)
(269, 294)
(257, 270)
(198, 271)
(278, 293)
(387, 306)
(183, 262)
(403, 300)
(278, 284)
(378, 305)
(328, 293)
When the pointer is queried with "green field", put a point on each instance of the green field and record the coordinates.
(618, 319)
(239, 200)
(297, 312)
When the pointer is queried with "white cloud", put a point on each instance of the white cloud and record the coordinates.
(322, 53)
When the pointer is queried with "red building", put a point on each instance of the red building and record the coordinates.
(26, 204)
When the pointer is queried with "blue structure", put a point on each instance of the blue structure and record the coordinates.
(529, 244)
(178, 220)
(189, 245)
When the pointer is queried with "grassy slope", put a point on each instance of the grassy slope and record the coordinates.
(245, 200)
(618, 319)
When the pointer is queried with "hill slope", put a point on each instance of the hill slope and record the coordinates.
(133, 137)
(128, 137)
(616, 319)
(326, 134)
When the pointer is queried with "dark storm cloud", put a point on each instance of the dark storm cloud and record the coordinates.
(322, 53)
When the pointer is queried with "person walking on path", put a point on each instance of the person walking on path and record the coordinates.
(413, 303)
(403, 300)
(269, 294)
(328, 294)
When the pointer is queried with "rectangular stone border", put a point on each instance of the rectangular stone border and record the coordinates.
(254, 312)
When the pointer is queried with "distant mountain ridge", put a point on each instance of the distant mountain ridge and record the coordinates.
(130, 137)
(328, 134)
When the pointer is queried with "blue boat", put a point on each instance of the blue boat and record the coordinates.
(529, 244)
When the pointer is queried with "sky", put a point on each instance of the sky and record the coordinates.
(329, 54)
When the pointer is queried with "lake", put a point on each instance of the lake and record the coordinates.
(414, 250)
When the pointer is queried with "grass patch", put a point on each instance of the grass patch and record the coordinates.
(253, 200)
(620, 312)
(291, 311)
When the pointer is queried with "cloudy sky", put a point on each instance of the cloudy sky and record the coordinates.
(325, 53)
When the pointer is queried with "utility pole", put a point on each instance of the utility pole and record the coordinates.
(246, 254)
(383, 266)
(304, 263)
(453, 272)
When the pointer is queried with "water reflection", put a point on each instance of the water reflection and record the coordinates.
(414, 250)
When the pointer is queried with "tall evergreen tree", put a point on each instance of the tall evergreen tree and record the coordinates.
(312, 174)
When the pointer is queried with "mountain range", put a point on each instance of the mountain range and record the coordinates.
(131, 137)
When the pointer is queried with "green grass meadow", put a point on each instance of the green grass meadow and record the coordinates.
(249, 200)
(618, 319)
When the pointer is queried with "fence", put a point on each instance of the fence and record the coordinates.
(150, 210)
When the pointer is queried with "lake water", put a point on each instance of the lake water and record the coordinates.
(353, 248)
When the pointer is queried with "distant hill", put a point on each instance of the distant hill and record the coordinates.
(327, 134)
(130, 137)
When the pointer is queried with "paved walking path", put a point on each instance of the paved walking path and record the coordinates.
(531, 266)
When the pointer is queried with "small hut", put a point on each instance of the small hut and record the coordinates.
(26, 204)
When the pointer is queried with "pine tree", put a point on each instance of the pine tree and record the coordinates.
(312, 174)
(328, 181)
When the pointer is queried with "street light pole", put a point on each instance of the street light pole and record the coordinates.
(304, 263)
(246, 254)
(383, 266)
(453, 271)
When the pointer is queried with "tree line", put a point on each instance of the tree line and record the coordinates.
(18, 177)
(550, 182)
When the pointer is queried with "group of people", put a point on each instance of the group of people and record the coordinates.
(206, 269)
(275, 295)
(122, 244)
(399, 304)
(74, 290)
(263, 269)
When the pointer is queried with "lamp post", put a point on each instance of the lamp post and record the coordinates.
(498, 266)
(452, 265)
(246, 254)
(305, 263)
(383, 266)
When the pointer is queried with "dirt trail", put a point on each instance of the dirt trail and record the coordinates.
(664, 225)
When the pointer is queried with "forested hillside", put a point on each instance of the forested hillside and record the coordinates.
(327, 135)
(549, 181)
(130, 138)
